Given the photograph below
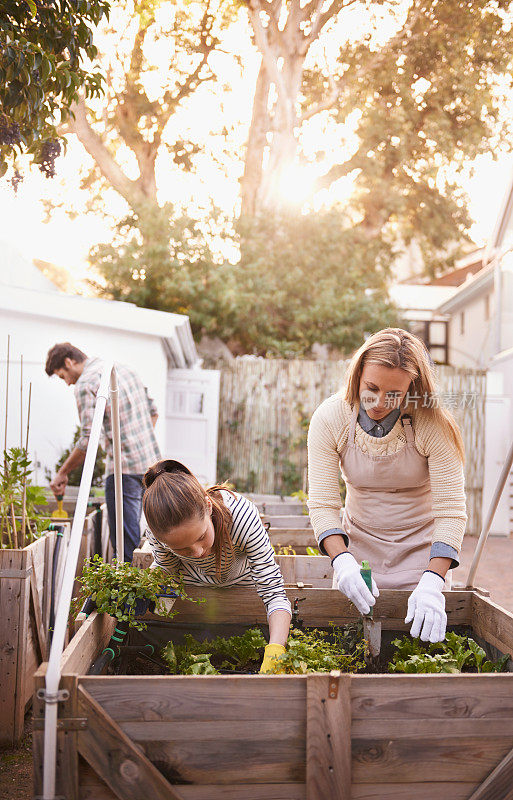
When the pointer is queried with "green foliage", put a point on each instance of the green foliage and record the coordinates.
(16, 470)
(299, 280)
(309, 278)
(116, 588)
(303, 498)
(42, 45)
(235, 653)
(429, 100)
(321, 651)
(240, 651)
(283, 550)
(453, 655)
(161, 260)
(76, 474)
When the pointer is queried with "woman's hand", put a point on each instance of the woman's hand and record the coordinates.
(351, 583)
(426, 607)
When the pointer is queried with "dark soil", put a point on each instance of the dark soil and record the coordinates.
(16, 767)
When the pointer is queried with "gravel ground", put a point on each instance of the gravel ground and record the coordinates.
(16, 768)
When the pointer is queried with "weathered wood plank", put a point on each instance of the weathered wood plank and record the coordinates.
(411, 697)
(243, 791)
(91, 785)
(116, 759)
(93, 788)
(10, 594)
(318, 606)
(274, 761)
(420, 728)
(87, 643)
(218, 730)
(208, 698)
(23, 688)
(492, 623)
(36, 605)
(412, 791)
(67, 743)
(404, 759)
(316, 570)
(499, 784)
(288, 521)
(328, 737)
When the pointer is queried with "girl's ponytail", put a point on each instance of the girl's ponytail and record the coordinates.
(167, 465)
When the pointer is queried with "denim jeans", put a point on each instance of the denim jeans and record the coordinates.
(132, 507)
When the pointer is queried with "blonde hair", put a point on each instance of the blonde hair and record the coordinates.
(395, 347)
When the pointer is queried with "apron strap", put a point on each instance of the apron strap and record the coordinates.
(352, 426)
(408, 430)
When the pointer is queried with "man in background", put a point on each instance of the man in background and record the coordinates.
(139, 448)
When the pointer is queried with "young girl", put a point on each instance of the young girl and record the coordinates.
(401, 457)
(214, 537)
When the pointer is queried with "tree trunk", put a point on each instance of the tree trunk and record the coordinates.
(257, 143)
(284, 144)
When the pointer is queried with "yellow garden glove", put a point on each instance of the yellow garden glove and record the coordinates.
(271, 652)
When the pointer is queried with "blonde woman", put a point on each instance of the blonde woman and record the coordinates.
(401, 457)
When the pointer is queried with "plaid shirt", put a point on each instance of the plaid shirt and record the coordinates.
(139, 448)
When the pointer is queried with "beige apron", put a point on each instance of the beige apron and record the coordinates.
(388, 513)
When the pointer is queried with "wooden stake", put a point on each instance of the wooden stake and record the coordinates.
(7, 392)
(28, 416)
(13, 522)
(24, 508)
(21, 402)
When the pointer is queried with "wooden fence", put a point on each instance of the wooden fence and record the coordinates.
(265, 409)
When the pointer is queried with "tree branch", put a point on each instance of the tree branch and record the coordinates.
(325, 104)
(336, 172)
(320, 20)
(270, 57)
(107, 165)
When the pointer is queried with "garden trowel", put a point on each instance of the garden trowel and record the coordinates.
(60, 512)
(371, 628)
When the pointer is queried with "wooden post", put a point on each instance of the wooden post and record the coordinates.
(14, 600)
(328, 737)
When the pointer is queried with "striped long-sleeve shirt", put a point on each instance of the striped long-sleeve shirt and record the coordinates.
(252, 560)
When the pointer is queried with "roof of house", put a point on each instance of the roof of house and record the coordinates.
(419, 301)
(474, 287)
(465, 266)
(20, 271)
(173, 329)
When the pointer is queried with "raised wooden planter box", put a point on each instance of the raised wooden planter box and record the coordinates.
(25, 596)
(314, 571)
(257, 737)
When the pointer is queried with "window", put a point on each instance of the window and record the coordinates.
(434, 335)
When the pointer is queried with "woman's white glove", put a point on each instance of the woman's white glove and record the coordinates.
(426, 607)
(351, 583)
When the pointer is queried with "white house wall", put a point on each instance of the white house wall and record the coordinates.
(53, 414)
(474, 347)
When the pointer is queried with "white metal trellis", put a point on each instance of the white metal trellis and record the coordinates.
(51, 693)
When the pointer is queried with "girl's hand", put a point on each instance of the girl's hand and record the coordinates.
(271, 652)
(351, 583)
(426, 607)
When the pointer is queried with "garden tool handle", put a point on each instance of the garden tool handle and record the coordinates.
(366, 573)
(487, 524)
